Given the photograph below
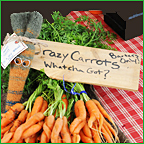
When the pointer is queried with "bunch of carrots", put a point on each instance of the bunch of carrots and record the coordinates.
(40, 120)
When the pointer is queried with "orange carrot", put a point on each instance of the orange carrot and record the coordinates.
(2, 115)
(21, 141)
(94, 114)
(4, 129)
(56, 130)
(81, 116)
(79, 127)
(7, 137)
(108, 131)
(43, 137)
(2, 135)
(106, 135)
(59, 139)
(27, 140)
(44, 106)
(50, 120)
(38, 138)
(41, 123)
(32, 139)
(48, 126)
(81, 108)
(76, 110)
(37, 105)
(47, 131)
(31, 121)
(85, 139)
(28, 116)
(65, 134)
(103, 111)
(111, 129)
(95, 134)
(21, 119)
(76, 138)
(11, 114)
(31, 131)
(101, 121)
(86, 130)
(64, 99)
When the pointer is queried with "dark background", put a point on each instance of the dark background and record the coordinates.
(125, 8)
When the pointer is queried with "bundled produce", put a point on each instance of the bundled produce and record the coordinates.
(46, 118)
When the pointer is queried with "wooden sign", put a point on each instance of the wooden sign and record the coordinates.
(89, 65)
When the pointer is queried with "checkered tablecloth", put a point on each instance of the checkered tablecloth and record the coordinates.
(125, 107)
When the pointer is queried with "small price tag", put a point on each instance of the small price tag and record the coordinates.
(11, 50)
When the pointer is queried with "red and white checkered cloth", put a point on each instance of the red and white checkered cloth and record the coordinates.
(125, 107)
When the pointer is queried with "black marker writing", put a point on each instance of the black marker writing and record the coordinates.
(107, 71)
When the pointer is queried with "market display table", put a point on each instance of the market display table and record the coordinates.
(125, 107)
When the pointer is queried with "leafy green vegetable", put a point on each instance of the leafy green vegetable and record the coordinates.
(66, 31)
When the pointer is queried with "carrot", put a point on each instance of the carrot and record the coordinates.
(79, 127)
(59, 139)
(21, 141)
(4, 129)
(81, 109)
(21, 119)
(31, 131)
(32, 139)
(2, 135)
(38, 138)
(94, 114)
(101, 121)
(31, 121)
(7, 137)
(86, 130)
(65, 134)
(47, 131)
(103, 111)
(85, 139)
(2, 115)
(50, 120)
(6, 133)
(43, 137)
(76, 138)
(80, 117)
(64, 99)
(76, 110)
(44, 106)
(95, 134)
(11, 114)
(111, 129)
(48, 126)
(105, 114)
(56, 130)
(108, 131)
(37, 105)
(106, 135)
(41, 123)
(28, 116)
